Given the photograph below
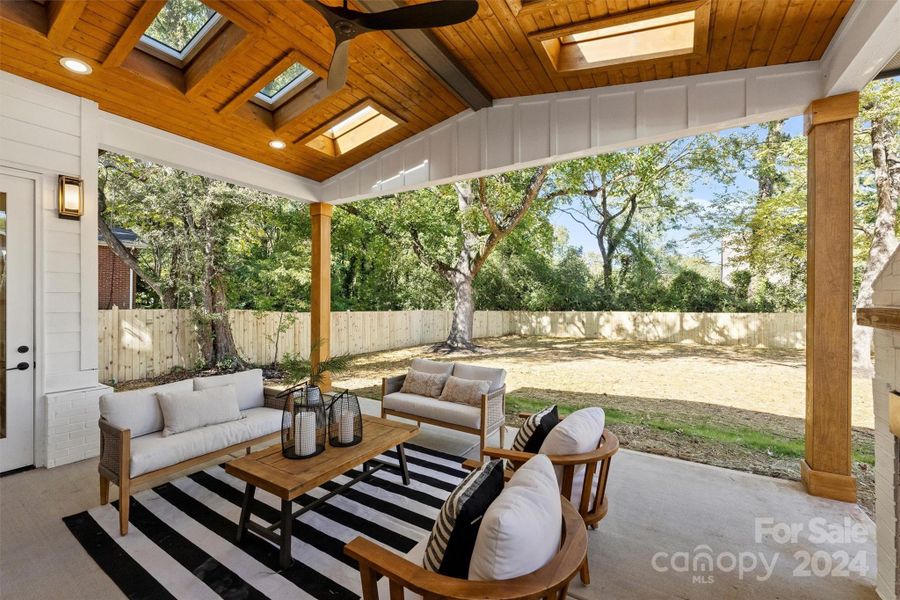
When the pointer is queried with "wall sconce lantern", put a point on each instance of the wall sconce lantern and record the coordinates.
(71, 197)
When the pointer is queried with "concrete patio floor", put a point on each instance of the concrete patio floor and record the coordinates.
(664, 514)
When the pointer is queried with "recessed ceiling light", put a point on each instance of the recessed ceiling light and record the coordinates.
(75, 65)
(277, 144)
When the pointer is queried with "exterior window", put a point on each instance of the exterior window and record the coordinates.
(279, 89)
(657, 33)
(180, 29)
(352, 129)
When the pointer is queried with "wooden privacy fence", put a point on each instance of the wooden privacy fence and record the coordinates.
(134, 344)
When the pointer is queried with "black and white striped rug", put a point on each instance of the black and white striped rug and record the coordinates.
(181, 540)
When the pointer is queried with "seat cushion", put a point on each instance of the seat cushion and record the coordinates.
(497, 377)
(431, 366)
(184, 411)
(432, 408)
(153, 451)
(138, 410)
(247, 384)
(578, 433)
(521, 530)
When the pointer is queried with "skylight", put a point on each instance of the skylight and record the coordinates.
(288, 80)
(352, 129)
(661, 33)
(179, 29)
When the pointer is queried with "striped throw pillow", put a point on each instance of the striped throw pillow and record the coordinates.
(535, 429)
(452, 540)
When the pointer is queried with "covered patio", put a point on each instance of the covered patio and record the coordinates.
(514, 87)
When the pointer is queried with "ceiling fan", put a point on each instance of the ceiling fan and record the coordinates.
(347, 23)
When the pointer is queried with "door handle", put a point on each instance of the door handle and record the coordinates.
(22, 366)
(22, 349)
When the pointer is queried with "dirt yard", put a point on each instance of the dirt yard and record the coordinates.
(734, 407)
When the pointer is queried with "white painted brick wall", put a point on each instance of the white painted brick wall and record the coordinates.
(887, 379)
(72, 432)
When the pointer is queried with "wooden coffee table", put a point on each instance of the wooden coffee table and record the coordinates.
(289, 479)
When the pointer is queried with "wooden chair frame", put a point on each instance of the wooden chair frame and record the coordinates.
(493, 412)
(597, 460)
(115, 459)
(549, 582)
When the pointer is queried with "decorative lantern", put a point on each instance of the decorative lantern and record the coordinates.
(345, 426)
(304, 424)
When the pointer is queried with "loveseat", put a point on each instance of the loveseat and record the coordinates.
(134, 447)
(483, 418)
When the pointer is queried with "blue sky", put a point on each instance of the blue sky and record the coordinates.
(704, 191)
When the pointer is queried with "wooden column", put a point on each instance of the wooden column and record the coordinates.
(320, 292)
(829, 128)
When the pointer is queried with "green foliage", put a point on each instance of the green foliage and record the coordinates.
(297, 368)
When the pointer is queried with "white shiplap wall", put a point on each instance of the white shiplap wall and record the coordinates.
(45, 133)
(521, 132)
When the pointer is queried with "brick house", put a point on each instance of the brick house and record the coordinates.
(117, 283)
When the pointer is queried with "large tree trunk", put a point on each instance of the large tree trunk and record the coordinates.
(462, 328)
(884, 242)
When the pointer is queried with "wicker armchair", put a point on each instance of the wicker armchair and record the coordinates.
(593, 505)
(493, 412)
(550, 581)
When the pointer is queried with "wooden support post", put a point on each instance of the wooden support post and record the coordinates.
(826, 470)
(320, 293)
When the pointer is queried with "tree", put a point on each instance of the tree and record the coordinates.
(453, 229)
(878, 126)
(188, 222)
(608, 194)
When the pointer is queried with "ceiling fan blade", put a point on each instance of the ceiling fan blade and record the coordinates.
(420, 16)
(337, 71)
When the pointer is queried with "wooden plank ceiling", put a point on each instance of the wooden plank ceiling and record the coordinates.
(208, 100)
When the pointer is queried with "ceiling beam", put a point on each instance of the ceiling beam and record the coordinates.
(129, 38)
(425, 47)
(62, 16)
(260, 82)
(292, 110)
(216, 59)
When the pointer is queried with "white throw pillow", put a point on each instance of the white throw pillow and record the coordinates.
(248, 385)
(578, 433)
(521, 530)
(184, 411)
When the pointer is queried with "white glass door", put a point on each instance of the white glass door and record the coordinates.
(16, 322)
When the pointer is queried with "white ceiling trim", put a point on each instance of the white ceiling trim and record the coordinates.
(527, 131)
(867, 39)
(119, 134)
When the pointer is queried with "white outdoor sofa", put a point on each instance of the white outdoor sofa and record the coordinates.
(133, 449)
(481, 420)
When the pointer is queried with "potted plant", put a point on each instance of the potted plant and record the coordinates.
(296, 369)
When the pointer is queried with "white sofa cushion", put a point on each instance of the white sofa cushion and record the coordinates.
(431, 366)
(184, 411)
(432, 408)
(138, 410)
(247, 384)
(497, 377)
(465, 391)
(578, 433)
(153, 451)
(521, 529)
